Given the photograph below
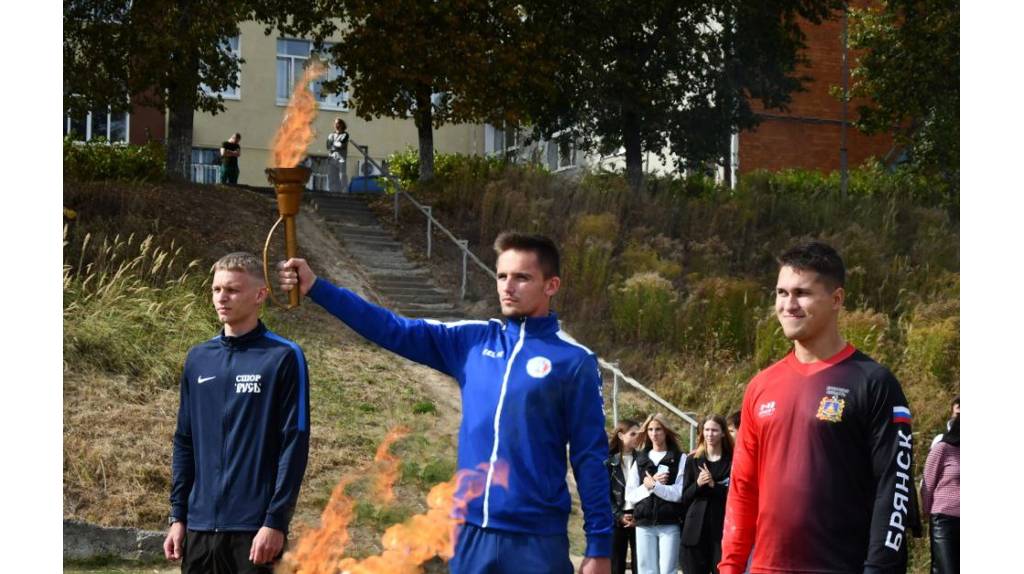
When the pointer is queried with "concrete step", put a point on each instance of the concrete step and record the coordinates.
(388, 266)
(425, 288)
(371, 243)
(443, 316)
(359, 230)
(411, 283)
(417, 298)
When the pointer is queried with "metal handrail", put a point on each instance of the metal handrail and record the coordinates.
(463, 246)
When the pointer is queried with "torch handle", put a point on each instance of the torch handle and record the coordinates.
(291, 248)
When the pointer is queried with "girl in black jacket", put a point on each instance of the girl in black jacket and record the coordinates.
(621, 448)
(705, 488)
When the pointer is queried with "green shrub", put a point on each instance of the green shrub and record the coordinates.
(637, 258)
(721, 314)
(644, 309)
(98, 159)
(132, 308)
(868, 331)
(770, 343)
(933, 350)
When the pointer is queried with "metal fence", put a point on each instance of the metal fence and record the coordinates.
(467, 255)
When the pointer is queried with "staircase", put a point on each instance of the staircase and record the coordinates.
(407, 288)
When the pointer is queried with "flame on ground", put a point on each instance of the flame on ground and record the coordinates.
(405, 546)
(388, 465)
(296, 131)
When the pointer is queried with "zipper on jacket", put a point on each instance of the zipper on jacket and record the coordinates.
(497, 421)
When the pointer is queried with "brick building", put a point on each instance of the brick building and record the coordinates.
(808, 136)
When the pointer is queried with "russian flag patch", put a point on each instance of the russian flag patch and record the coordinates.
(901, 415)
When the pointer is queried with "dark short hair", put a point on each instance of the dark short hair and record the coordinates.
(238, 135)
(344, 126)
(818, 257)
(955, 402)
(733, 420)
(545, 248)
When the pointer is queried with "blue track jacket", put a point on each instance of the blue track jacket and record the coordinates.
(242, 440)
(528, 390)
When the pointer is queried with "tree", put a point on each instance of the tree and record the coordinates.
(161, 53)
(910, 72)
(673, 75)
(439, 62)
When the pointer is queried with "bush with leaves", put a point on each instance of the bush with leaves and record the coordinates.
(98, 159)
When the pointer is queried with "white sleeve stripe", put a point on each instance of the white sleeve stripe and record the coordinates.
(568, 339)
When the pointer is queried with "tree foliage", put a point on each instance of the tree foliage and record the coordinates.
(670, 75)
(161, 53)
(910, 72)
(441, 62)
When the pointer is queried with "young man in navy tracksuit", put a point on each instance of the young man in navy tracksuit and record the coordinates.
(528, 391)
(242, 438)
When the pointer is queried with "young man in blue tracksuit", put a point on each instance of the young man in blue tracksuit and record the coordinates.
(528, 391)
(242, 438)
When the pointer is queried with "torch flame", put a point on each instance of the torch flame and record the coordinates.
(387, 472)
(405, 546)
(296, 129)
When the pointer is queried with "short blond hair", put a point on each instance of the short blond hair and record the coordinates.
(240, 261)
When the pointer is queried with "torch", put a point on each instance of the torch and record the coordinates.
(288, 183)
(285, 174)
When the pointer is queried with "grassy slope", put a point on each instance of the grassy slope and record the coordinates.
(717, 251)
(118, 422)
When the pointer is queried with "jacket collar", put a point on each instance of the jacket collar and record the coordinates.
(243, 340)
(535, 326)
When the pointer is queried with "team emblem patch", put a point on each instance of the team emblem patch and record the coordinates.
(538, 367)
(831, 409)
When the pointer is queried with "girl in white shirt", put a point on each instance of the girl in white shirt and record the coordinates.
(655, 487)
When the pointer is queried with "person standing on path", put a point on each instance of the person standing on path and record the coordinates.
(337, 158)
(940, 500)
(705, 490)
(529, 392)
(242, 438)
(230, 151)
(822, 470)
(655, 488)
(622, 451)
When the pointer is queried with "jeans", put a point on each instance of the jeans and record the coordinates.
(657, 549)
(337, 175)
(945, 541)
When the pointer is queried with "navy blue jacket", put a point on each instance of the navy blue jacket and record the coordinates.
(242, 440)
(528, 391)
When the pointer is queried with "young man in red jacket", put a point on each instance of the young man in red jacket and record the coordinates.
(821, 476)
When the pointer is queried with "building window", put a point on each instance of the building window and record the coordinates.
(205, 164)
(233, 47)
(111, 126)
(292, 57)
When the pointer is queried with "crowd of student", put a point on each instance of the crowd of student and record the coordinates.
(669, 505)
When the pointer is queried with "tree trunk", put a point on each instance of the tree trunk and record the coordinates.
(181, 95)
(179, 140)
(634, 153)
(425, 132)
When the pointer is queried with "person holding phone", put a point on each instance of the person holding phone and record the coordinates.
(655, 487)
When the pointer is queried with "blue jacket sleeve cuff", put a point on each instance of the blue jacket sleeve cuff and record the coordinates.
(179, 511)
(599, 546)
(318, 290)
(276, 522)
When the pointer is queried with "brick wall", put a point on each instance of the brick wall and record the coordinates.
(808, 134)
